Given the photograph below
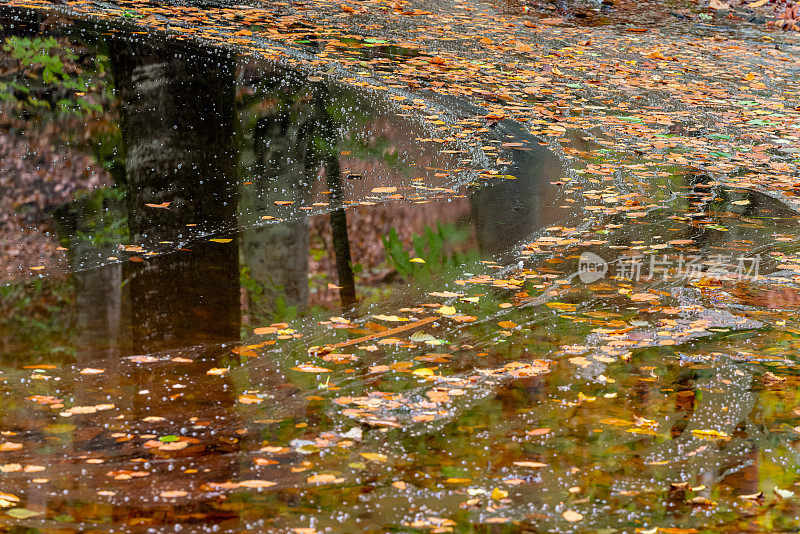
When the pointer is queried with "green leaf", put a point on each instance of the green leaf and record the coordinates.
(22, 513)
(168, 439)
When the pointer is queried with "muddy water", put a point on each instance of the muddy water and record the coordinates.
(277, 304)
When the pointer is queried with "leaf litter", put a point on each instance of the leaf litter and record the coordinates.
(648, 375)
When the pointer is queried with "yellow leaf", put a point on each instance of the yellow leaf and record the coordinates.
(710, 434)
(219, 240)
(447, 310)
(390, 318)
(374, 456)
(498, 494)
(645, 431)
(417, 260)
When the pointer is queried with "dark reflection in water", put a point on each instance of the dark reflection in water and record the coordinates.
(177, 125)
(211, 223)
(508, 212)
(276, 255)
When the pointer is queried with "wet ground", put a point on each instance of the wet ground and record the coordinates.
(278, 303)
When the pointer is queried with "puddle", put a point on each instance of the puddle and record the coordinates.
(234, 192)
(236, 298)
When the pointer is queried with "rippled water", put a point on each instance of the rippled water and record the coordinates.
(236, 318)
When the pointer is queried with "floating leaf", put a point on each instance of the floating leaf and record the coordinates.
(324, 479)
(538, 432)
(256, 484)
(265, 330)
(374, 456)
(250, 399)
(498, 494)
(710, 434)
(390, 318)
(530, 464)
(561, 306)
(173, 494)
(423, 372)
(22, 513)
(572, 516)
(309, 368)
